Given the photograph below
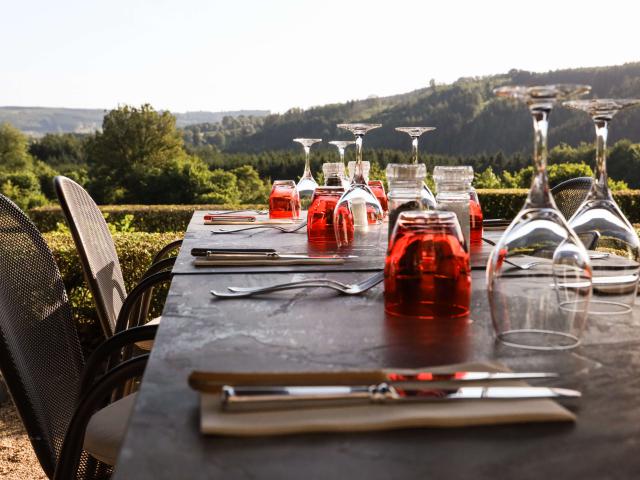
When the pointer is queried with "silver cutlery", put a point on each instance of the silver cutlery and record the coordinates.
(231, 212)
(276, 397)
(274, 227)
(346, 289)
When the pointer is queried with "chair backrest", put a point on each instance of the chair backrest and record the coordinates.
(40, 355)
(96, 249)
(570, 194)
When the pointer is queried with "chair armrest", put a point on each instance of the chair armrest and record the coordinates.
(132, 300)
(108, 349)
(164, 264)
(166, 249)
(91, 401)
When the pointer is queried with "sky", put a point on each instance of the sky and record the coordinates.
(274, 55)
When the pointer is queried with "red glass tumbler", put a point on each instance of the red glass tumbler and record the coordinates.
(320, 216)
(475, 220)
(427, 273)
(377, 187)
(284, 201)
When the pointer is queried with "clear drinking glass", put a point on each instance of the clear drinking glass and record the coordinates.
(601, 225)
(539, 274)
(415, 132)
(342, 145)
(307, 183)
(453, 185)
(334, 175)
(427, 273)
(358, 207)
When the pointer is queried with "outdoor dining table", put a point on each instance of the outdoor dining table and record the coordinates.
(317, 329)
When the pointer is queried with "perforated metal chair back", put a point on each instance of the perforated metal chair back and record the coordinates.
(570, 194)
(97, 251)
(40, 355)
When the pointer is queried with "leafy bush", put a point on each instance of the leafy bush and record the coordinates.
(135, 251)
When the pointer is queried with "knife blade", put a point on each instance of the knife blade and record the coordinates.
(213, 381)
(203, 252)
(275, 397)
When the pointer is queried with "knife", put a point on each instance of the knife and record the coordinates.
(203, 252)
(266, 258)
(274, 397)
(213, 381)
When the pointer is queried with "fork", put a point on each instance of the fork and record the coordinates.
(275, 227)
(346, 289)
(529, 265)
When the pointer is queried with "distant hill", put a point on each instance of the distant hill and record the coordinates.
(38, 121)
(469, 119)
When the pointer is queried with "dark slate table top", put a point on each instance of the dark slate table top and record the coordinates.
(317, 329)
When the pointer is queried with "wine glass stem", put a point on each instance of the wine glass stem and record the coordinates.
(307, 163)
(414, 150)
(358, 177)
(341, 152)
(540, 195)
(600, 188)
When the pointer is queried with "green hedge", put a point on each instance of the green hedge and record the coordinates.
(506, 203)
(500, 203)
(135, 250)
(146, 218)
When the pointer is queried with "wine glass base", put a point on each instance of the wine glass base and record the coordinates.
(535, 339)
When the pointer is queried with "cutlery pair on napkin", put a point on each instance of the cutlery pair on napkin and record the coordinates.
(240, 219)
(206, 257)
(277, 403)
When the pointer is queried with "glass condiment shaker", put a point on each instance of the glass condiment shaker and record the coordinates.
(405, 189)
(453, 187)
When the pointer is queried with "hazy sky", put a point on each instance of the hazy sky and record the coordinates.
(235, 54)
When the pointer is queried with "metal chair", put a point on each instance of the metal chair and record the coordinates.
(570, 194)
(99, 259)
(55, 392)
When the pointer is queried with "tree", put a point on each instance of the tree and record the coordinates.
(59, 149)
(487, 179)
(14, 153)
(132, 140)
(251, 188)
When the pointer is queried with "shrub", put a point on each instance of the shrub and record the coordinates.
(135, 251)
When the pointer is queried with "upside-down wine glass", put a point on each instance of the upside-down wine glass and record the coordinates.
(539, 274)
(428, 199)
(307, 184)
(603, 227)
(342, 145)
(358, 207)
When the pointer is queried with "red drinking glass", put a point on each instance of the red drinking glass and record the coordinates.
(377, 187)
(427, 273)
(284, 201)
(475, 220)
(320, 216)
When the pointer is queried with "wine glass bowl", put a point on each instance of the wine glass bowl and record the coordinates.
(602, 226)
(544, 307)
